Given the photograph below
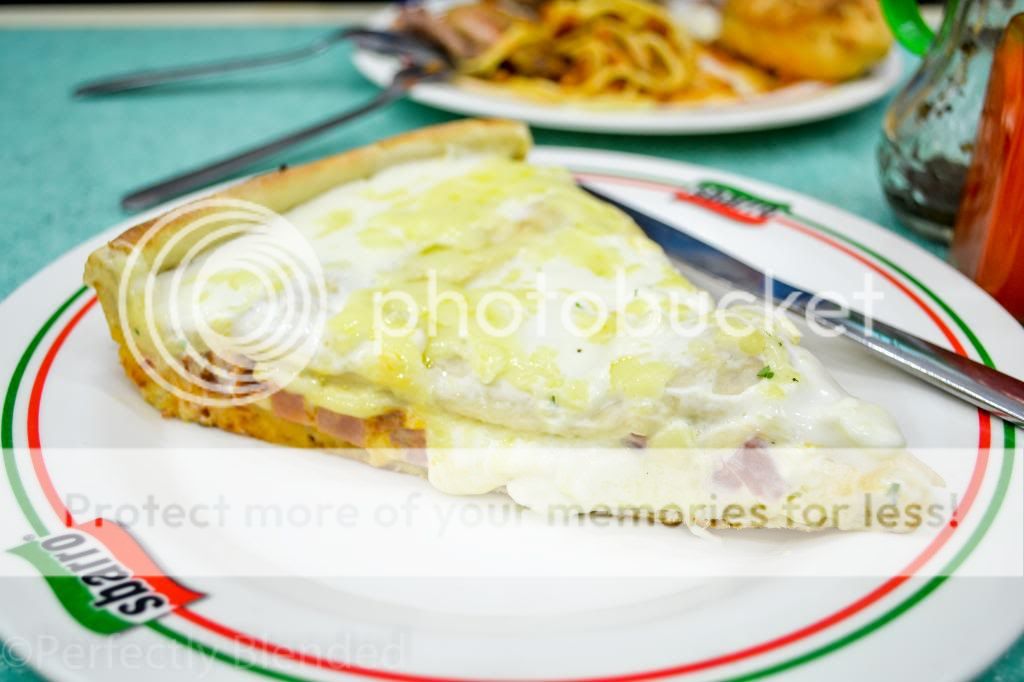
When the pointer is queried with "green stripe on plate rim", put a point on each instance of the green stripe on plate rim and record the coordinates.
(71, 592)
(1006, 470)
(7, 420)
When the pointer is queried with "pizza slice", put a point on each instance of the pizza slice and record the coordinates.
(436, 304)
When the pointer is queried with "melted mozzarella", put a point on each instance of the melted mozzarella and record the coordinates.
(612, 342)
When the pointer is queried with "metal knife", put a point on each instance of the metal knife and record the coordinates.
(973, 382)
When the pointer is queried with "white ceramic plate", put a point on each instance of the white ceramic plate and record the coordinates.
(300, 600)
(796, 104)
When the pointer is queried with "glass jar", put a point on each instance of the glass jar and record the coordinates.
(929, 129)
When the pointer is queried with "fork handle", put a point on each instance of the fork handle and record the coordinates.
(145, 79)
(219, 170)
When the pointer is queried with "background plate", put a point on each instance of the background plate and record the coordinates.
(799, 103)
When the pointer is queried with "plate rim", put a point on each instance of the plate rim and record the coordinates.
(747, 182)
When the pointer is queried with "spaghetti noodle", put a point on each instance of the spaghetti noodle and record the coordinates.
(597, 52)
(593, 47)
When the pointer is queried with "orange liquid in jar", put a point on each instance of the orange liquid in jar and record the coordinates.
(988, 240)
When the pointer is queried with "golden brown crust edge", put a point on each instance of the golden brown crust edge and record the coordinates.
(285, 188)
(278, 191)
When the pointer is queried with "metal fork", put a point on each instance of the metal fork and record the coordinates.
(388, 42)
(210, 173)
(421, 62)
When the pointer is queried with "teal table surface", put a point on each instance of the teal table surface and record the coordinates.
(65, 163)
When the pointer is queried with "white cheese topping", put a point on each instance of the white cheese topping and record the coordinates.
(601, 341)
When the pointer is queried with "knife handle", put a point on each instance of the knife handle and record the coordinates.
(978, 384)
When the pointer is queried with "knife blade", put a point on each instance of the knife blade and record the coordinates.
(973, 382)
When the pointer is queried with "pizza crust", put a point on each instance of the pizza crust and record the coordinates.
(280, 191)
(393, 439)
